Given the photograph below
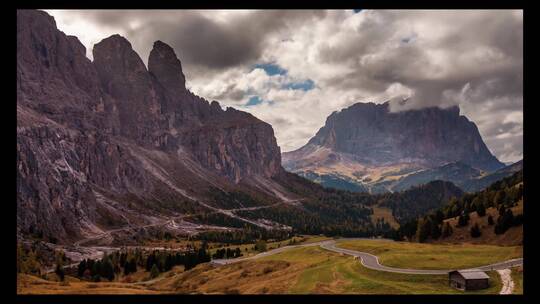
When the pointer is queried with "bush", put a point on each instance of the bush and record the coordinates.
(260, 246)
(267, 269)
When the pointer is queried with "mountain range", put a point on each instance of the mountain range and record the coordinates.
(111, 149)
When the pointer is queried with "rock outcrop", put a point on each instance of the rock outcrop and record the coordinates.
(95, 137)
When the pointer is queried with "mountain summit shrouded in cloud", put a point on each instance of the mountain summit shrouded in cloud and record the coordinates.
(334, 59)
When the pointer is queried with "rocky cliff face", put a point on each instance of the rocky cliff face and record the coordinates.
(92, 134)
(366, 140)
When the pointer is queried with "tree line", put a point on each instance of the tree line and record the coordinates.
(129, 261)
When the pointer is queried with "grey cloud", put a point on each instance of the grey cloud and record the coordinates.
(376, 65)
(202, 44)
(231, 93)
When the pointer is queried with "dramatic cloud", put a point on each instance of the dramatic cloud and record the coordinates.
(293, 68)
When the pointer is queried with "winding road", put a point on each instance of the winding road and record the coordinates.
(370, 261)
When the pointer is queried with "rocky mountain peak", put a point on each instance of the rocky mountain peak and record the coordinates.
(167, 68)
(432, 136)
(114, 57)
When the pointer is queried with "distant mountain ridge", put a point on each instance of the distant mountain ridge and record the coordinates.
(377, 149)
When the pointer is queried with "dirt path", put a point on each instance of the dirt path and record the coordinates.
(508, 283)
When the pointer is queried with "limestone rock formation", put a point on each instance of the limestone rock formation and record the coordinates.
(97, 142)
(374, 146)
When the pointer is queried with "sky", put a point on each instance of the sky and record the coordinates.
(294, 68)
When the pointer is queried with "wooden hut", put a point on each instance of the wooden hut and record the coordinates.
(472, 279)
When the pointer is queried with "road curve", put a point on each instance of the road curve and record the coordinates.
(371, 261)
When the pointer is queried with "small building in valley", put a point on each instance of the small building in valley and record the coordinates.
(471, 279)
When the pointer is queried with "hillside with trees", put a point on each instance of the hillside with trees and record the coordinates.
(493, 215)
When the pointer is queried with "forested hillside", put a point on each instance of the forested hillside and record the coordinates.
(504, 196)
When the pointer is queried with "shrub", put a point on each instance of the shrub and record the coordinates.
(260, 246)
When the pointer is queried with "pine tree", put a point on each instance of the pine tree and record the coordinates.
(481, 210)
(475, 231)
(447, 230)
(59, 270)
(423, 230)
(81, 268)
(463, 220)
(107, 269)
(154, 272)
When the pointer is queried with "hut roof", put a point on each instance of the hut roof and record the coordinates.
(472, 274)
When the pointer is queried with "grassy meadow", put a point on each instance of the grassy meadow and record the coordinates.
(434, 256)
(306, 270)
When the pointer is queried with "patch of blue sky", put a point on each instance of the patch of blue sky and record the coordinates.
(305, 85)
(255, 100)
(271, 69)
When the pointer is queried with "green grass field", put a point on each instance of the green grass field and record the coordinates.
(327, 272)
(433, 256)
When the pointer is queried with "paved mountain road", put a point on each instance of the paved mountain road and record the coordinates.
(370, 261)
(228, 212)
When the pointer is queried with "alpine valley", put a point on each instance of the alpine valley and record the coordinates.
(128, 182)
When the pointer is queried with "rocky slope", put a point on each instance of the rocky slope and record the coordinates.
(112, 143)
(376, 148)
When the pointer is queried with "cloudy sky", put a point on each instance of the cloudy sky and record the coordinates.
(294, 68)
